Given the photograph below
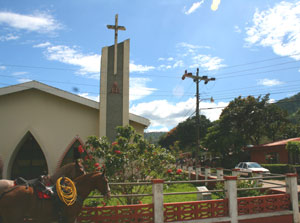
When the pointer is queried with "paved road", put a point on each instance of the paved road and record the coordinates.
(272, 183)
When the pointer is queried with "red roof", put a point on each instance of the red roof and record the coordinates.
(277, 143)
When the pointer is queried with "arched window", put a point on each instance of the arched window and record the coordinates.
(29, 161)
(72, 153)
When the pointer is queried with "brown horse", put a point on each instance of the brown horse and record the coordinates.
(70, 170)
(21, 202)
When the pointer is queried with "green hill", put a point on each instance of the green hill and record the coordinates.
(292, 106)
(153, 137)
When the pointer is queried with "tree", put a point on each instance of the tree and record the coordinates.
(129, 158)
(276, 123)
(245, 121)
(185, 134)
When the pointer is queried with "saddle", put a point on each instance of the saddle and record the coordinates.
(42, 191)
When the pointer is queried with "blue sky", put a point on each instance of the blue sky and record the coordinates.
(251, 47)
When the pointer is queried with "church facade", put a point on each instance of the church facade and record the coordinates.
(41, 125)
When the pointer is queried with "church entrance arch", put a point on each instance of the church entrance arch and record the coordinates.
(29, 162)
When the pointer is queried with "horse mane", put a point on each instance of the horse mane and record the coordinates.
(87, 176)
(62, 171)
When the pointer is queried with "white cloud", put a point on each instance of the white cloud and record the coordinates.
(164, 67)
(178, 63)
(139, 68)
(237, 29)
(157, 129)
(278, 28)
(39, 22)
(42, 45)
(19, 73)
(8, 37)
(269, 82)
(23, 80)
(88, 63)
(194, 7)
(215, 110)
(138, 89)
(166, 115)
(190, 48)
(2, 67)
(88, 96)
(207, 62)
(271, 101)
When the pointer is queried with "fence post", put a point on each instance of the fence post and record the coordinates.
(158, 200)
(190, 169)
(231, 195)
(207, 174)
(257, 174)
(292, 189)
(198, 171)
(235, 172)
(220, 173)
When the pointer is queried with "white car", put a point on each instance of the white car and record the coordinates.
(249, 167)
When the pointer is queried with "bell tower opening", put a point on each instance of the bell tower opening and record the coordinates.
(29, 161)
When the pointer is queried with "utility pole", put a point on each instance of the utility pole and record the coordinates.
(197, 80)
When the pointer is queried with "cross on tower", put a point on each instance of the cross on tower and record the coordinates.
(116, 28)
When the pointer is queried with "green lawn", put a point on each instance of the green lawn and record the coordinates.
(148, 199)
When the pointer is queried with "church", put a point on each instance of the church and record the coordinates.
(41, 125)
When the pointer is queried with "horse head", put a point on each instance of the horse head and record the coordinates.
(103, 186)
(79, 169)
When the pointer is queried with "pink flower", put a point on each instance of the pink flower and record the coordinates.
(179, 171)
(169, 170)
(96, 165)
(117, 151)
(80, 149)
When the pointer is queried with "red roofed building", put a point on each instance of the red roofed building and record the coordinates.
(274, 152)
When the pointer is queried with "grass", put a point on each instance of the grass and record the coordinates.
(148, 199)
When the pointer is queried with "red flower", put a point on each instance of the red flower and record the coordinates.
(169, 170)
(99, 168)
(103, 203)
(96, 165)
(86, 158)
(117, 151)
(114, 143)
(140, 202)
(179, 171)
(80, 149)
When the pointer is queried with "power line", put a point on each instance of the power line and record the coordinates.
(204, 71)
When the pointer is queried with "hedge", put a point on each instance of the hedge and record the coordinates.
(281, 168)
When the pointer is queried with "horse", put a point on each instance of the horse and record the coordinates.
(22, 201)
(70, 170)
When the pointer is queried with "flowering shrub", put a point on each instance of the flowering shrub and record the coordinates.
(129, 158)
(174, 174)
